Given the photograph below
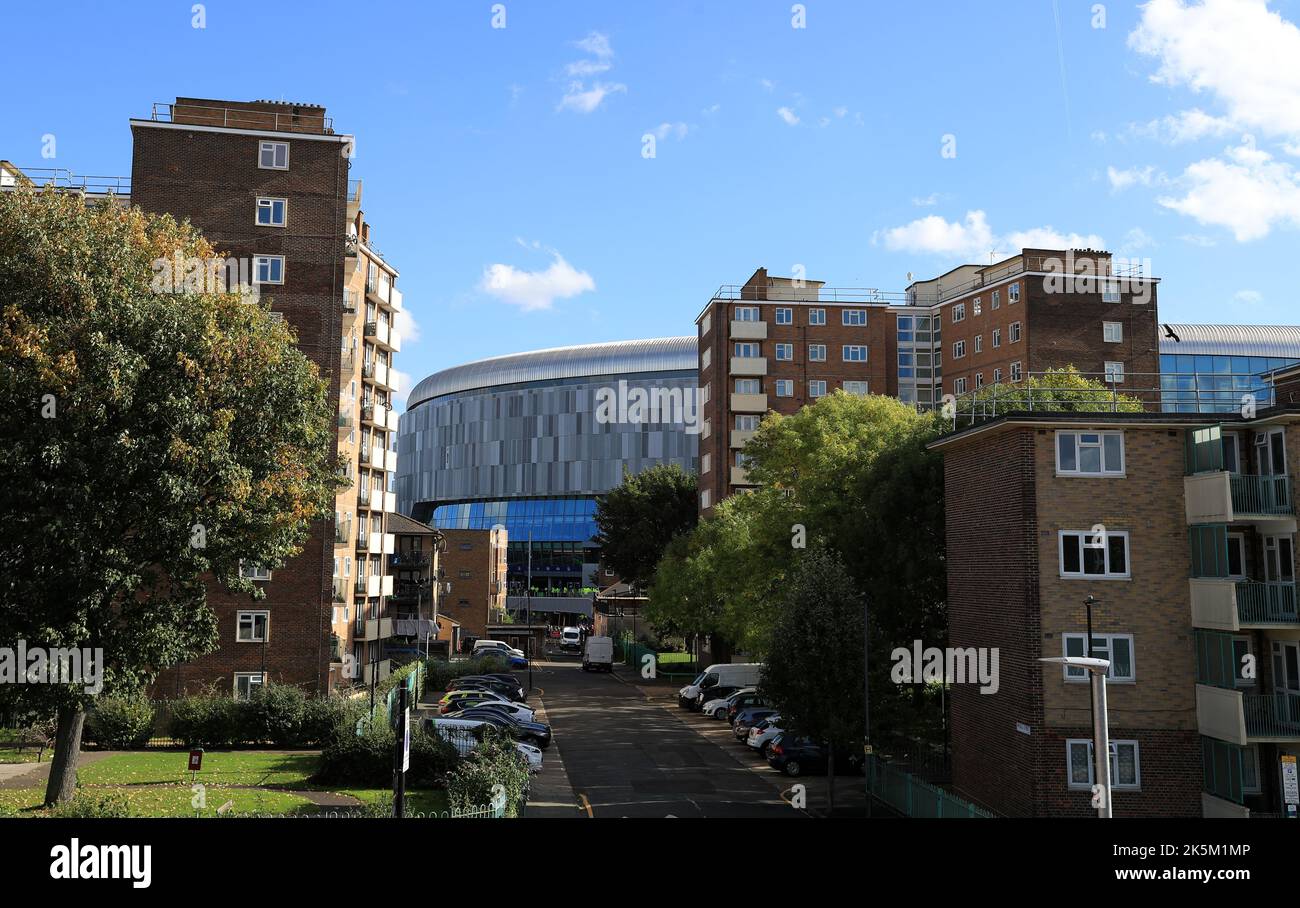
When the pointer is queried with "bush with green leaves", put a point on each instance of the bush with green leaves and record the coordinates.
(367, 759)
(209, 720)
(441, 672)
(324, 717)
(122, 721)
(275, 713)
(471, 786)
(86, 806)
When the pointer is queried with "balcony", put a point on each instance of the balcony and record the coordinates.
(374, 629)
(390, 461)
(342, 533)
(1230, 605)
(1248, 718)
(349, 302)
(367, 585)
(749, 331)
(749, 403)
(346, 421)
(740, 476)
(380, 333)
(376, 672)
(370, 542)
(395, 341)
(340, 590)
(364, 456)
(748, 365)
(363, 497)
(740, 436)
(395, 300)
(390, 502)
(412, 558)
(1223, 497)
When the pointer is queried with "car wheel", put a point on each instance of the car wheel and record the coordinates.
(720, 713)
(792, 768)
(533, 740)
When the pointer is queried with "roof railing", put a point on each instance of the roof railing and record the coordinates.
(241, 118)
(62, 178)
(808, 294)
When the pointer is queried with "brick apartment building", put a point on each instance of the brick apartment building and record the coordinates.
(1182, 527)
(268, 183)
(473, 573)
(774, 344)
(417, 587)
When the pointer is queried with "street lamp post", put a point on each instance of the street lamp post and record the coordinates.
(1097, 669)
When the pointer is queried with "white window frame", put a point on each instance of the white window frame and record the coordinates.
(757, 383)
(788, 384)
(1100, 444)
(959, 385)
(958, 349)
(748, 314)
(1017, 371)
(261, 682)
(979, 343)
(1015, 332)
(813, 384)
(787, 350)
(273, 147)
(746, 350)
(784, 315)
(813, 353)
(706, 499)
(816, 316)
(706, 462)
(848, 353)
(997, 338)
(1110, 291)
(857, 388)
(1105, 650)
(267, 203)
(1085, 537)
(979, 380)
(996, 301)
(268, 259)
(1115, 372)
(1013, 293)
(747, 422)
(854, 318)
(1115, 783)
(958, 312)
(1112, 332)
(253, 614)
(997, 376)
(256, 572)
(977, 306)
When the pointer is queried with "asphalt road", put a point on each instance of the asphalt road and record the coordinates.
(629, 757)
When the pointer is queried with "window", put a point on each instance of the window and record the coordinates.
(785, 352)
(816, 353)
(1236, 556)
(979, 343)
(858, 388)
(273, 156)
(959, 313)
(976, 306)
(997, 376)
(1112, 332)
(1115, 372)
(1017, 371)
(1118, 648)
(747, 422)
(817, 388)
(252, 571)
(251, 627)
(1124, 768)
(1083, 557)
(747, 314)
(816, 316)
(1013, 293)
(784, 387)
(745, 350)
(749, 386)
(706, 500)
(996, 301)
(706, 358)
(706, 323)
(979, 380)
(268, 269)
(905, 324)
(785, 316)
(997, 338)
(958, 349)
(1232, 452)
(1110, 293)
(1090, 453)
(959, 386)
(465, 574)
(854, 353)
(270, 212)
(247, 684)
(1250, 783)
(854, 316)
(706, 461)
(1014, 332)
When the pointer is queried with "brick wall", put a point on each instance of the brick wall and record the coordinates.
(467, 566)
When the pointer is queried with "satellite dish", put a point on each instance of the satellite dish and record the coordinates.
(909, 277)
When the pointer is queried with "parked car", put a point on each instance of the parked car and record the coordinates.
(512, 657)
(466, 735)
(570, 638)
(726, 675)
(464, 699)
(742, 700)
(796, 755)
(598, 654)
(764, 733)
(718, 706)
(511, 689)
(718, 692)
(748, 717)
(530, 732)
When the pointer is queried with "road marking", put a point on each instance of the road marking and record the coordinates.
(586, 805)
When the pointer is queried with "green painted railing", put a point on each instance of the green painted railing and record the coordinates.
(1275, 715)
(1261, 495)
(913, 797)
(1267, 603)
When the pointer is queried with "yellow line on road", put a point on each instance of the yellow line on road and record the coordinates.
(586, 805)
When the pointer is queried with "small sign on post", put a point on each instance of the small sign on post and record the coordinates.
(1290, 785)
(196, 762)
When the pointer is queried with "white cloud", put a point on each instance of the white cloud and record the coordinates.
(711, 110)
(767, 84)
(1246, 191)
(664, 130)
(583, 69)
(926, 201)
(1184, 126)
(401, 383)
(1239, 51)
(788, 115)
(1123, 179)
(581, 99)
(1249, 297)
(972, 239)
(406, 325)
(596, 44)
(1196, 239)
(841, 112)
(535, 290)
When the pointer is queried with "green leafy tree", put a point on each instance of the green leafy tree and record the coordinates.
(151, 442)
(1055, 391)
(636, 521)
(814, 671)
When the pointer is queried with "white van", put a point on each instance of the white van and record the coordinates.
(599, 654)
(570, 638)
(735, 675)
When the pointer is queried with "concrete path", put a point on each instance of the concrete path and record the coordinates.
(32, 775)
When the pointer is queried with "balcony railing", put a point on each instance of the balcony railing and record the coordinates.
(1261, 495)
(363, 496)
(1275, 715)
(340, 591)
(342, 533)
(365, 455)
(1267, 603)
(410, 559)
(306, 119)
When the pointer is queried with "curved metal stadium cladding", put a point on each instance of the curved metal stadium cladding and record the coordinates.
(514, 440)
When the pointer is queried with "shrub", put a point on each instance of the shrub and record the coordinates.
(209, 720)
(364, 760)
(123, 721)
(275, 713)
(471, 785)
(87, 806)
(324, 717)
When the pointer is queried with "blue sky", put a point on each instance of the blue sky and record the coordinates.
(505, 170)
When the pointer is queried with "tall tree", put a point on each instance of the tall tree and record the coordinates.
(151, 442)
(637, 520)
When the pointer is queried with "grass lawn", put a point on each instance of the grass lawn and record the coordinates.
(157, 784)
(13, 755)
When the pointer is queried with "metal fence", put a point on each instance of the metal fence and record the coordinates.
(914, 797)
